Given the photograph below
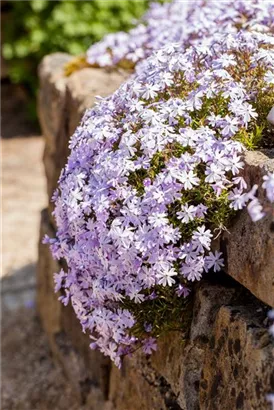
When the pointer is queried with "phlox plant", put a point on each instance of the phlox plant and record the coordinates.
(184, 21)
(154, 175)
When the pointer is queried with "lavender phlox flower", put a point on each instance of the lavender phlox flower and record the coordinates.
(149, 345)
(235, 164)
(255, 210)
(269, 77)
(224, 61)
(214, 260)
(201, 211)
(240, 181)
(268, 185)
(201, 238)
(246, 112)
(134, 293)
(150, 91)
(215, 120)
(165, 276)
(59, 280)
(158, 220)
(187, 213)
(193, 269)
(184, 22)
(250, 195)
(230, 126)
(189, 252)
(214, 173)
(182, 291)
(65, 298)
(188, 179)
(238, 199)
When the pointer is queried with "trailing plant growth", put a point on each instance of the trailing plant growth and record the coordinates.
(186, 22)
(154, 175)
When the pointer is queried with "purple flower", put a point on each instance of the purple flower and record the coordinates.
(202, 238)
(59, 280)
(188, 179)
(182, 291)
(149, 345)
(268, 185)
(148, 327)
(165, 276)
(214, 260)
(238, 199)
(255, 210)
(189, 23)
(188, 213)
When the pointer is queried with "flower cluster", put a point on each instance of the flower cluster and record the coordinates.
(186, 22)
(255, 208)
(153, 176)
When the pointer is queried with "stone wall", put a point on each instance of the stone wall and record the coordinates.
(226, 362)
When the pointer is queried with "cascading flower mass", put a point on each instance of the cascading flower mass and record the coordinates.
(153, 176)
(186, 22)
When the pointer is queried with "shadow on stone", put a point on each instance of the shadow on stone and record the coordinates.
(18, 288)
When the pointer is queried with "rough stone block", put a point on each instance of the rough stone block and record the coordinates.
(238, 370)
(249, 246)
(47, 301)
(52, 114)
(180, 361)
(138, 387)
(84, 86)
(208, 300)
(227, 363)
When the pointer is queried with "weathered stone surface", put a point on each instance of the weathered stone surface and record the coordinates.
(208, 300)
(52, 115)
(220, 324)
(180, 362)
(61, 104)
(47, 301)
(83, 88)
(93, 368)
(249, 246)
(138, 386)
(238, 370)
(84, 369)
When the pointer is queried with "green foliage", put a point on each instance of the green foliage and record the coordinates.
(164, 312)
(35, 28)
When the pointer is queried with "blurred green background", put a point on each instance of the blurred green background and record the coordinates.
(34, 28)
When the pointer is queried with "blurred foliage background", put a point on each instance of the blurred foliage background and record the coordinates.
(34, 28)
